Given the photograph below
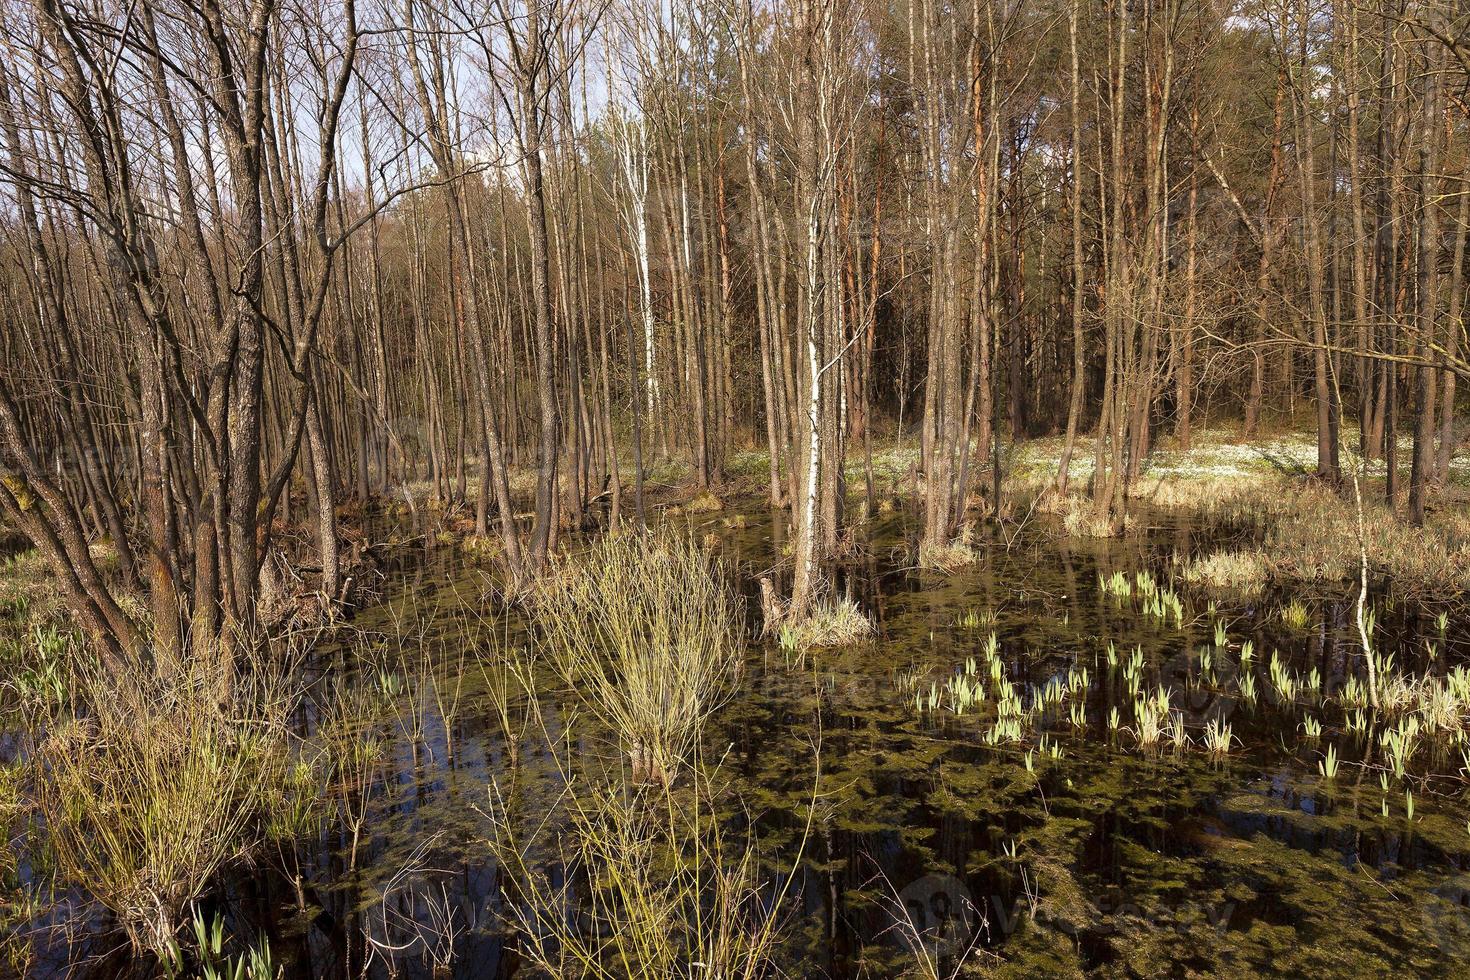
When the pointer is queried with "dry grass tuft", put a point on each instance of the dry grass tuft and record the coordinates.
(957, 553)
(1081, 520)
(705, 502)
(1243, 572)
(831, 623)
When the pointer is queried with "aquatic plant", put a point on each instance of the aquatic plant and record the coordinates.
(214, 962)
(1312, 727)
(964, 693)
(645, 631)
(974, 619)
(1218, 737)
(1399, 743)
(1293, 614)
(1243, 572)
(1117, 585)
(1328, 764)
(1152, 718)
(1178, 737)
(642, 884)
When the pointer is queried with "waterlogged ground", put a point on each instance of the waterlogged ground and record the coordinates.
(1070, 850)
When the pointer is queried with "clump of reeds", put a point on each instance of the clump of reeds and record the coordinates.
(1244, 572)
(1080, 519)
(952, 555)
(646, 631)
(831, 622)
(1294, 615)
(705, 502)
(156, 781)
(642, 882)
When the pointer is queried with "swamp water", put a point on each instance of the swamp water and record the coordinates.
(1068, 850)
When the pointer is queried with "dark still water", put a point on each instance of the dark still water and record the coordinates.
(1069, 845)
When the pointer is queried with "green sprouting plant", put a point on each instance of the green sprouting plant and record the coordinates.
(389, 683)
(1442, 622)
(1409, 805)
(1177, 734)
(1312, 727)
(1151, 722)
(1294, 615)
(1248, 688)
(1116, 585)
(964, 693)
(43, 674)
(990, 650)
(1327, 766)
(975, 619)
(1221, 639)
(1399, 742)
(295, 808)
(1218, 737)
(1282, 679)
(1247, 652)
(215, 963)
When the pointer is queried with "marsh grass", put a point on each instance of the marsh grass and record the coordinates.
(646, 632)
(644, 881)
(959, 552)
(832, 622)
(620, 878)
(158, 781)
(1243, 572)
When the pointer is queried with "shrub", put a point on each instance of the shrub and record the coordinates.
(157, 784)
(646, 632)
(644, 882)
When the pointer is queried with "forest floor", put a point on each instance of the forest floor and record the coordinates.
(1261, 492)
